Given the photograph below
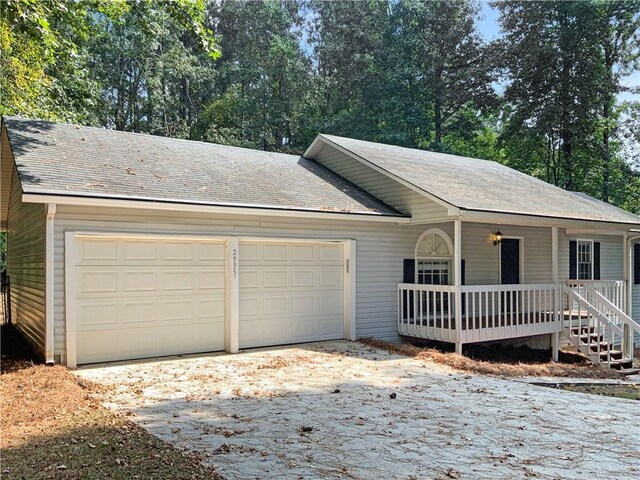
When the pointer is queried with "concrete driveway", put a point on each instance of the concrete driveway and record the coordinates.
(345, 410)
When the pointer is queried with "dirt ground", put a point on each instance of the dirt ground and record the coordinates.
(348, 410)
(508, 362)
(52, 427)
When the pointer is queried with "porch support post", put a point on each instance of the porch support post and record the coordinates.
(555, 336)
(457, 258)
(626, 261)
(627, 333)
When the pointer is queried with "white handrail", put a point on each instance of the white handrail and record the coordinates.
(612, 310)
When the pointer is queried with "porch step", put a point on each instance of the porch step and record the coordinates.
(584, 339)
(620, 364)
(629, 371)
(615, 355)
(582, 330)
(604, 346)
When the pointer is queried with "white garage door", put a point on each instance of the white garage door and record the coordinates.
(145, 297)
(290, 292)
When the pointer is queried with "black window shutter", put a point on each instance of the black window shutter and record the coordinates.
(596, 260)
(462, 274)
(573, 260)
(636, 263)
(409, 271)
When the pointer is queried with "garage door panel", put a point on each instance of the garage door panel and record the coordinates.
(303, 253)
(261, 278)
(138, 312)
(139, 281)
(329, 327)
(92, 281)
(330, 254)
(138, 250)
(172, 280)
(102, 249)
(277, 252)
(303, 278)
(304, 305)
(275, 278)
(290, 292)
(211, 279)
(96, 314)
(139, 298)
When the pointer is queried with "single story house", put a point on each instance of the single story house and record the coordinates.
(123, 246)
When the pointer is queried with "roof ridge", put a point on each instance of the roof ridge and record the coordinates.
(143, 134)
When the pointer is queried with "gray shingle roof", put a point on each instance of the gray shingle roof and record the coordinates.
(482, 185)
(71, 160)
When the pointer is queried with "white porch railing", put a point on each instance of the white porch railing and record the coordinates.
(488, 312)
(597, 326)
(612, 290)
(493, 312)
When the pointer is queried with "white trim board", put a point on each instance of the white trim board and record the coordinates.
(255, 210)
(232, 315)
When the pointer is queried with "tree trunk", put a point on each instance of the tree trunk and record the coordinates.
(606, 113)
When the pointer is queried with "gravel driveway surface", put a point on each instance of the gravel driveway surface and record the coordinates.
(346, 410)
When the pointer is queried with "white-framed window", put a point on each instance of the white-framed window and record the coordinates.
(434, 258)
(584, 259)
(434, 272)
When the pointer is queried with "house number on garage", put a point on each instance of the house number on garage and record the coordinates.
(235, 263)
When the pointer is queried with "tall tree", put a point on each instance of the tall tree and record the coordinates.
(618, 31)
(452, 65)
(152, 63)
(550, 57)
(262, 76)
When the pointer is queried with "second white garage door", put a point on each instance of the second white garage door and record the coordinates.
(290, 292)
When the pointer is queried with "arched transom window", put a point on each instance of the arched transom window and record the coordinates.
(434, 256)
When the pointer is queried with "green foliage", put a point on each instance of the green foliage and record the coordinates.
(272, 74)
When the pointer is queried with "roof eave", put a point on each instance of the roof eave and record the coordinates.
(527, 219)
(171, 205)
(321, 140)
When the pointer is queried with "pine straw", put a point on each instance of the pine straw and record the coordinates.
(53, 428)
(462, 363)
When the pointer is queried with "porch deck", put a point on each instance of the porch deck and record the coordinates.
(489, 312)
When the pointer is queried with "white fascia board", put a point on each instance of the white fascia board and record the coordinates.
(499, 218)
(311, 152)
(452, 210)
(204, 208)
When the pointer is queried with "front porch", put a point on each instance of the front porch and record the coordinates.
(444, 303)
(590, 314)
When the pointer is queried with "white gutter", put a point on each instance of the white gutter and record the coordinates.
(49, 279)
(256, 210)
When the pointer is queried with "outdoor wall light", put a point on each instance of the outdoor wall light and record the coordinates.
(497, 238)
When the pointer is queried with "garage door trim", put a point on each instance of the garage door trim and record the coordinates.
(232, 280)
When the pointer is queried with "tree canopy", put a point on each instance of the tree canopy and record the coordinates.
(543, 98)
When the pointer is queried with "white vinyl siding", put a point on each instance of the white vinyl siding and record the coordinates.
(380, 249)
(482, 257)
(26, 266)
(611, 255)
(389, 191)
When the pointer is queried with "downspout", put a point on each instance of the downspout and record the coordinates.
(49, 279)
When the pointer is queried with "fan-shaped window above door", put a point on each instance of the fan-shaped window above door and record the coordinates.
(434, 257)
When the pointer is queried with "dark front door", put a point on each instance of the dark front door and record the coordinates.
(509, 274)
(510, 261)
